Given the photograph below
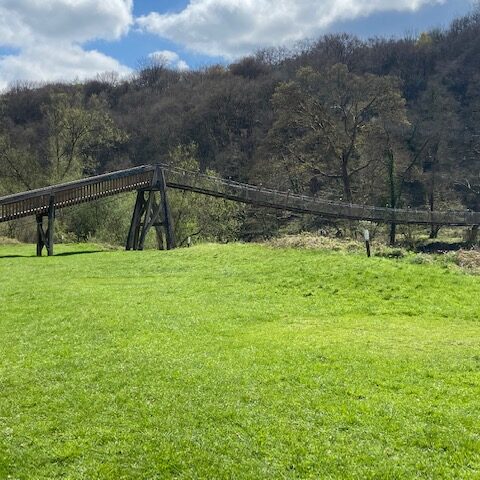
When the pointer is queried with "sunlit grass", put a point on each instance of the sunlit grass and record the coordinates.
(236, 361)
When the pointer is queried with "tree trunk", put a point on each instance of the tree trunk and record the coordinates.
(347, 189)
(472, 236)
(393, 194)
(434, 231)
(393, 234)
(431, 200)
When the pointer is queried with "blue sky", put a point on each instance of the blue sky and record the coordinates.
(64, 40)
(389, 24)
(138, 45)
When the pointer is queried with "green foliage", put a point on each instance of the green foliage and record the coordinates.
(425, 40)
(106, 220)
(70, 142)
(328, 118)
(236, 361)
(76, 134)
(114, 224)
(17, 171)
(198, 216)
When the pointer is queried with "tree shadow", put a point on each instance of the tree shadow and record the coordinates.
(441, 247)
(86, 252)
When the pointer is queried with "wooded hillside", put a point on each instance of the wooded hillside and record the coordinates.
(388, 122)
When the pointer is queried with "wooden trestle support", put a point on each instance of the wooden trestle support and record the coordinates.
(45, 238)
(149, 213)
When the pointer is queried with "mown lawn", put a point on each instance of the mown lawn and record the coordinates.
(236, 361)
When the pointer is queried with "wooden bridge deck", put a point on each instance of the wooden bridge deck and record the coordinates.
(37, 202)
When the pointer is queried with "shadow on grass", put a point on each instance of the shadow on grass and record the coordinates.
(63, 254)
(441, 247)
(87, 252)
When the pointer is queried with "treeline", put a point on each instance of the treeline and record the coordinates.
(388, 122)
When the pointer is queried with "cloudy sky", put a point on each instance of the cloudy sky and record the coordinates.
(44, 40)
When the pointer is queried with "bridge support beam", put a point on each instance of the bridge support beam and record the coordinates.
(45, 238)
(166, 212)
(149, 213)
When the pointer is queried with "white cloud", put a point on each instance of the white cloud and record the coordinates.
(45, 63)
(66, 20)
(49, 33)
(170, 59)
(231, 28)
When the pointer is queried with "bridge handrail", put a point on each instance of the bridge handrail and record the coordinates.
(260, 188)
(51, 190)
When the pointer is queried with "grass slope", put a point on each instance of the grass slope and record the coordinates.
(236, 361)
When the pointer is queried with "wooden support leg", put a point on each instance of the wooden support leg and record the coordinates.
(134, 232)
(152, 213)
(166, 213)
(40, 235)
(138, 226)
(158, 225)
(51, 226)
(45, 239)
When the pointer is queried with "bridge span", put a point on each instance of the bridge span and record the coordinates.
(148, 212)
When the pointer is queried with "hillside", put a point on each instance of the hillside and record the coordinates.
(236, 361)
(385, 122)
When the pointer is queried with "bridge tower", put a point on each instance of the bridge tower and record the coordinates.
(149, 212)
(45, 238)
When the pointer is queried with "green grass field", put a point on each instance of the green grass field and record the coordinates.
(237, 361)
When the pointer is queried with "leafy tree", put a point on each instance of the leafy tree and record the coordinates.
(439, 127)
(396, 145)
(324, 120)
(197, 215)
(17, 171)
(76, 135)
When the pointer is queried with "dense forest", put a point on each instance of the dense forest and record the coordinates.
(387, 122)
